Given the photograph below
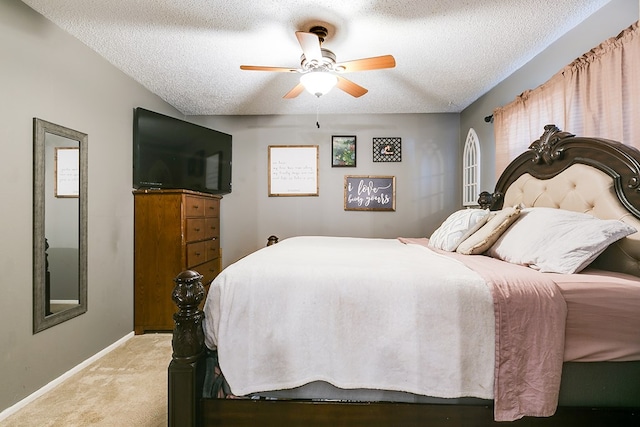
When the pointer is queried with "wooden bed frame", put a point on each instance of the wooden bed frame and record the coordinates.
(592, 394)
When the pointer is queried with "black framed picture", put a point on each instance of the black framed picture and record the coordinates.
(343, 151)
(387, 149)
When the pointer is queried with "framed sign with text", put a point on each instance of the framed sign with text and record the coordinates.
(67, 172)
(369, 193)
(293, 170)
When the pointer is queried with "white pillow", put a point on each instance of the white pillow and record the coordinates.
(557, 240)
(457, 227)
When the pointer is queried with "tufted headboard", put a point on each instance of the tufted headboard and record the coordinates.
(590, 175)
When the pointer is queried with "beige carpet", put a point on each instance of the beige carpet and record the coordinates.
(126, 387)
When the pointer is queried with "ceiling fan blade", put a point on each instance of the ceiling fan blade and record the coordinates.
(310, 44)
(261, 68)
(297, 90)
(374, 63)
(350, 87)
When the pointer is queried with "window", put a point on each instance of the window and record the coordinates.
(471, 170)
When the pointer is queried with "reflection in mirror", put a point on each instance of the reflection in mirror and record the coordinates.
(59, 224)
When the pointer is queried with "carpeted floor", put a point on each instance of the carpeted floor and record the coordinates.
(126, 387)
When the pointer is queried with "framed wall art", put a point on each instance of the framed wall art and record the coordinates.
(293, 170)
(343, 151)
(67, 172)
(387, 149)
(369, 193)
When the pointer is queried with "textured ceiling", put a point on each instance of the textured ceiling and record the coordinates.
(189, 52)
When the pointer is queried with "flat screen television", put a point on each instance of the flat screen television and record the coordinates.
(170, 153)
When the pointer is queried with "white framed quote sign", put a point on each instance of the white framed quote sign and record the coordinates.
(67, 172)
(293, 170)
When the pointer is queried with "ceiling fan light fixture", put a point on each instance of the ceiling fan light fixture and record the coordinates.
(319, 68)
(319, 82)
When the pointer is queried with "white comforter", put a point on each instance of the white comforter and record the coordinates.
(374, 313)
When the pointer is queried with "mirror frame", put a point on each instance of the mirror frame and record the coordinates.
(40, 320)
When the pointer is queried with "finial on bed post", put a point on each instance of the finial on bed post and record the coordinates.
(272, 240)
(491, 201)
(188, 337)
(188, 348)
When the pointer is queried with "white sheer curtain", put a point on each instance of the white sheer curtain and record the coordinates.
(598, 94)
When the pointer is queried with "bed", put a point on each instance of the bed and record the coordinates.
(503, 326)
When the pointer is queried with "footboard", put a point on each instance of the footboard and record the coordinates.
(186, 367)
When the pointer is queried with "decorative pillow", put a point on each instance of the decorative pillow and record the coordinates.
(557, 240)
(486, 236)
(457, 227)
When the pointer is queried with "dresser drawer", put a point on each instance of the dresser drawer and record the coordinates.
(195, 206)
(212, 228)
(209, 271)
(212, 249)
(196, 254)
(195, 229)
(212, 207)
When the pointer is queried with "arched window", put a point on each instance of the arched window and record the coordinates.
(471, 170)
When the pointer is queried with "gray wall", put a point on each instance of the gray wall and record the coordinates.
(46, 73)
(427, 179)
(607, 22)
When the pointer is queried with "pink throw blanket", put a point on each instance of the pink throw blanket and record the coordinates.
(530, 323)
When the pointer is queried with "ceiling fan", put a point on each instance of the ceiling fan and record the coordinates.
(319, 69)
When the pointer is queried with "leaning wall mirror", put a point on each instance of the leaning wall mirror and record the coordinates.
(59, 224)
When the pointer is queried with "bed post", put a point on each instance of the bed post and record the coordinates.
(188, 348)
(492, 201)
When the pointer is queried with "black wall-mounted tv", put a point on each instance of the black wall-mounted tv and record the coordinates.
(172, 153)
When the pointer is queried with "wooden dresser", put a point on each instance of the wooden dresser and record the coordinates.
(175, 230)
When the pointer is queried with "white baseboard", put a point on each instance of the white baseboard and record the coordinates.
(56, 382)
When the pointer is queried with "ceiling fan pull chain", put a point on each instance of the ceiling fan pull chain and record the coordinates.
(318, 113)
